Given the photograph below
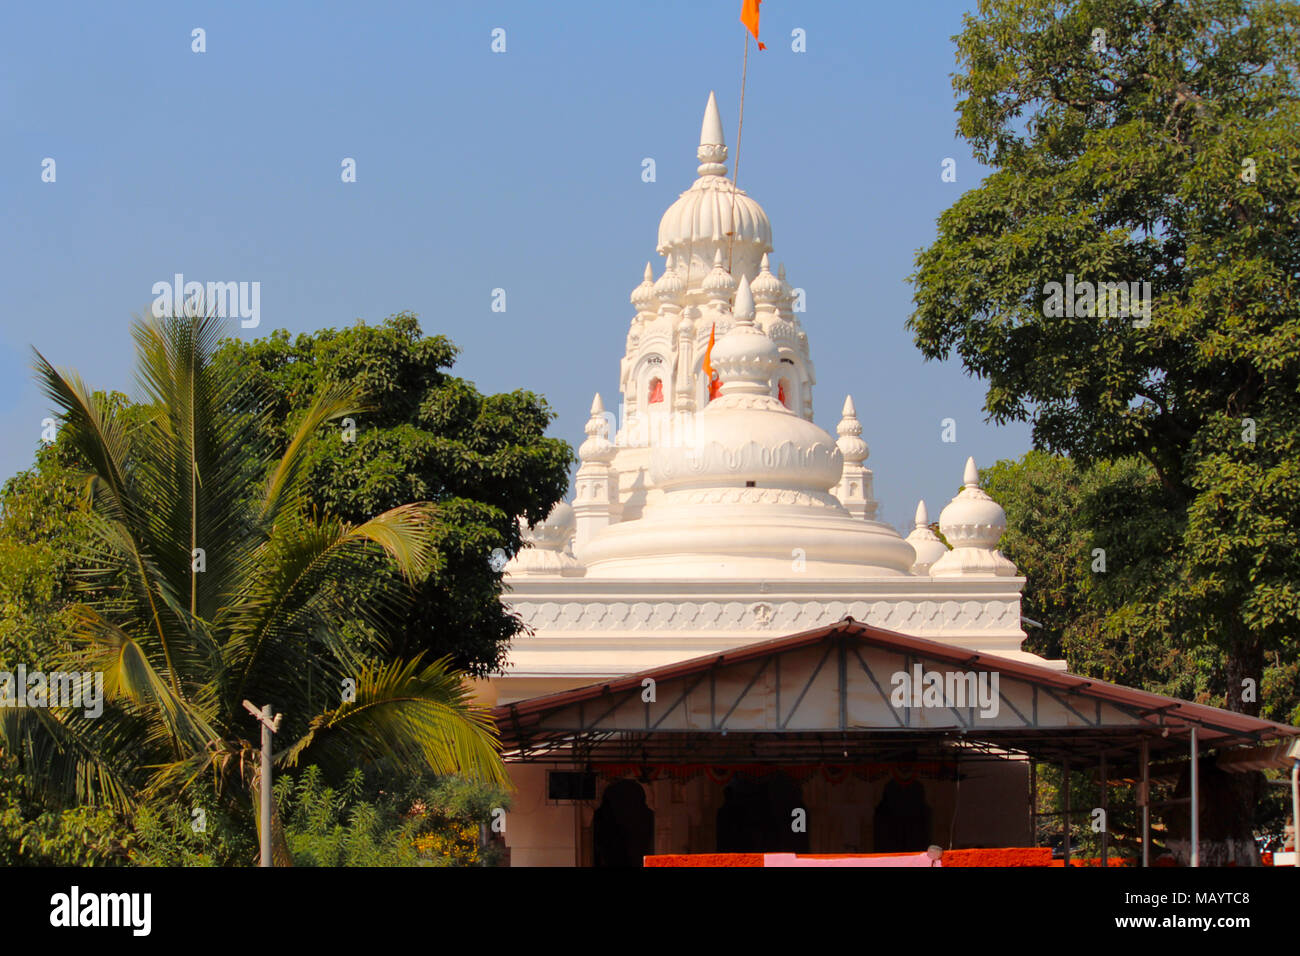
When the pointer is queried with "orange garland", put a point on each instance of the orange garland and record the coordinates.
(997, 856)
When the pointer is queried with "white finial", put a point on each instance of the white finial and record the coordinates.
(766, 288)
(744, 307)
(670, 285)
(972, 522)
(718, 283)
(712, 152)
(929, 549)
(597, 447)
(850, 443)
(711, 129)
(643, 296)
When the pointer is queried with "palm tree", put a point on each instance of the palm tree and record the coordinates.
(222, 586)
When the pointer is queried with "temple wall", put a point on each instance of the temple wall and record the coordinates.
(538, 832)
(993, 812)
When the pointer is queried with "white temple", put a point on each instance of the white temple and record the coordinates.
(701, 525)
(722, 635)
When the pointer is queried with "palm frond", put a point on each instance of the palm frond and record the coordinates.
(130, 675)
(419, 717)
(284, 589)
(73, 757)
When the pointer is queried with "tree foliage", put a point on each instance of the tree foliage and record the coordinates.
(426, 822)
(426, 435)
(1169, 153)
(209, 578)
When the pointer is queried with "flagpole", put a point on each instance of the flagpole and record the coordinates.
(740, 125)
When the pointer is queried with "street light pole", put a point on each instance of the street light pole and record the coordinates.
(269, 726)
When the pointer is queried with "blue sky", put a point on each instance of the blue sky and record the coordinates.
(478, 170)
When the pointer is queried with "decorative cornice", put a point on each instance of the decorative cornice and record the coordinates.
(910, 617)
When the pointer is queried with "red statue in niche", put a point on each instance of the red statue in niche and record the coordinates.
(656, 391)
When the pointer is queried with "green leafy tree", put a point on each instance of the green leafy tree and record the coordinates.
(1087, 541)
(232, 592)
(1144, 141)
(43, 527)
(429, 436)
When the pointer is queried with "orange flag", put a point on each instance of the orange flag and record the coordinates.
(709, 374)
(706, 364)
(749, 17)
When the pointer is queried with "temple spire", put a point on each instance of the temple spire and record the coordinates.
(744, 308)
(711, 130)
(712, 153)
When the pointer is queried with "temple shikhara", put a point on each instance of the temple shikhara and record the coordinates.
(730, 653)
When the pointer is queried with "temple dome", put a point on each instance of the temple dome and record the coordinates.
(925, 542)
(545, 544)
(713, 214)
(746, 435)
(748, 490)
(973, 524)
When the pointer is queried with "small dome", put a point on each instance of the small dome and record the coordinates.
(554, 530)
(972, 519)
(850, 443)
(719, 283)
(925, 542)
(670, 286)
(746, 356)
(597, 447)
(544, 550)
(973, 524)
(643, 296)
(766, 287)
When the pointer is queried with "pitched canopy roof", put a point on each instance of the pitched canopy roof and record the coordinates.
(830, 691)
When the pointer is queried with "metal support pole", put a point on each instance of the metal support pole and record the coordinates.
(1144, 801)
(266, 785)
(1196, 804)
(1105, 813)
(269, 726)
(1065, 782)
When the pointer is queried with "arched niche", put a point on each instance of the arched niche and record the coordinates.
(652, 368)
(623, 826)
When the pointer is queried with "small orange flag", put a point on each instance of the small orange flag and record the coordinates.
(749, 17)
(706, 364)
(709, 374)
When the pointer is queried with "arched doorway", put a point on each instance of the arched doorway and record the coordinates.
(757, 816)
(902, 819)
(623, 826)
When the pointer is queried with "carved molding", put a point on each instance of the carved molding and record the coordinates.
(753, 496)
(782, 617)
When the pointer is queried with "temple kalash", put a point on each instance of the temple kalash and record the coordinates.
(729, 654)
